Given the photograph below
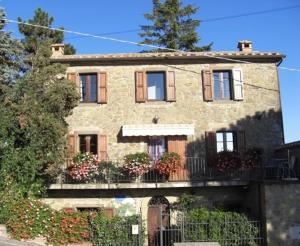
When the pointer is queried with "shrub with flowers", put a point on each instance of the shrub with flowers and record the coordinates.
(84, 167)
(167, 164)
(228, 160)
(252, 158)
(28, 219)
(68, 226)
(137, 164)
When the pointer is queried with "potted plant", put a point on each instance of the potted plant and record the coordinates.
(167, 164)
(252, 158)
(228, 160)
(137, 164)
(84, 168)
(109, 171)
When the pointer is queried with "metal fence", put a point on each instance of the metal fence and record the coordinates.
(195, 170)
(226, 233)
(118, 233)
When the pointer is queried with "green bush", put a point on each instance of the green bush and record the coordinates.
(68, 226)
(28, 218)
(137, 164)
(224, 227)
(117, 229)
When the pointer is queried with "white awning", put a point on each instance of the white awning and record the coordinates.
(158, 130)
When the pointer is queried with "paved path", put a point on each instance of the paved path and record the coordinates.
(8, 242)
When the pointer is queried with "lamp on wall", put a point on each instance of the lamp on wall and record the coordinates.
(155, 119)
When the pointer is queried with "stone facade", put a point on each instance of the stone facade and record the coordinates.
(282, 213)
(259, 114)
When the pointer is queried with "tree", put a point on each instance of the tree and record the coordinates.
(35, 35)
(172, 27)
(11, 57)
(33, 108)
(35, 126)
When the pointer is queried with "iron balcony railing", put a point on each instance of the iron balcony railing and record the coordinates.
(194, 170)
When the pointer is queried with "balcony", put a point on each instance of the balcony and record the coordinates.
(195, 174)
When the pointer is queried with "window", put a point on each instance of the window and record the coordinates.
(156, 84)
(88, 143)
(156, 147)
(222, 85)
(225, 141)
(88, 87)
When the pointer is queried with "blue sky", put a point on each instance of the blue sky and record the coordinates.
(277, 31)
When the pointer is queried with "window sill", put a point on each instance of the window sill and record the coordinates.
(90, 104)
(155, 104)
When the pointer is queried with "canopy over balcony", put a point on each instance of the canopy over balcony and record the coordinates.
(158, 130)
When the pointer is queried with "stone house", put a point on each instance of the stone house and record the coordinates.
(193, 103)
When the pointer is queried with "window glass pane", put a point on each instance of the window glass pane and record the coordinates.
(220, 146)
(219, 137)
(157, 146)
(226, 84)
(156, 86)
(94, 144)
(82, 87)
(229, 146)
(229, 136)
(82, 143)
(217, 85)
(93, 93)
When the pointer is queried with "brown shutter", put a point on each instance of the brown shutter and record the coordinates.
(102, 87)
(171, 90)
(108, 212)
(74, 77)
(177, 144)
(241, 142)
(140, 86)
(211, 148)
(207, 83)
(102, 147)
(72, 145)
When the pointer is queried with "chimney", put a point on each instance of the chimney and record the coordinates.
(57, 50)
(245, 46)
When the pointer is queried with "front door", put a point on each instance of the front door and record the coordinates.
(158, 219)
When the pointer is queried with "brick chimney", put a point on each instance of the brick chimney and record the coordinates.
(57, 50)
(245, 46)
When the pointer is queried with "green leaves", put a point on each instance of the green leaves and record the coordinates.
(172, 26)
(34, 36)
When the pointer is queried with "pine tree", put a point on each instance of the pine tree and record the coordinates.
(172, 27)
(34, 36)
(11, 57)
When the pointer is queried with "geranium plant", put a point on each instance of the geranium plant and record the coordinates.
(252, 158)
(167, 164)
(84, 167)
(228, 160)
(137, 164)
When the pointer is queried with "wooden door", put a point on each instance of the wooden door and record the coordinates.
(158, 216)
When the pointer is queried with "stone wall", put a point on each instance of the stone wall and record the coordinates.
(282, 213)
(259, 114)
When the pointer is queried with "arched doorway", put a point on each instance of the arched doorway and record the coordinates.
(158, 216)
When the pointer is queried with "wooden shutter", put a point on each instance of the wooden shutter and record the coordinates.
(177, 144)
(207, 83)
(171, 90)
(211, 148)
(72, 145)
(102, 147)
(108, 212)
(238, 93)
(74, 77)
(241, 142)
(102, 87)
(140, 86)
